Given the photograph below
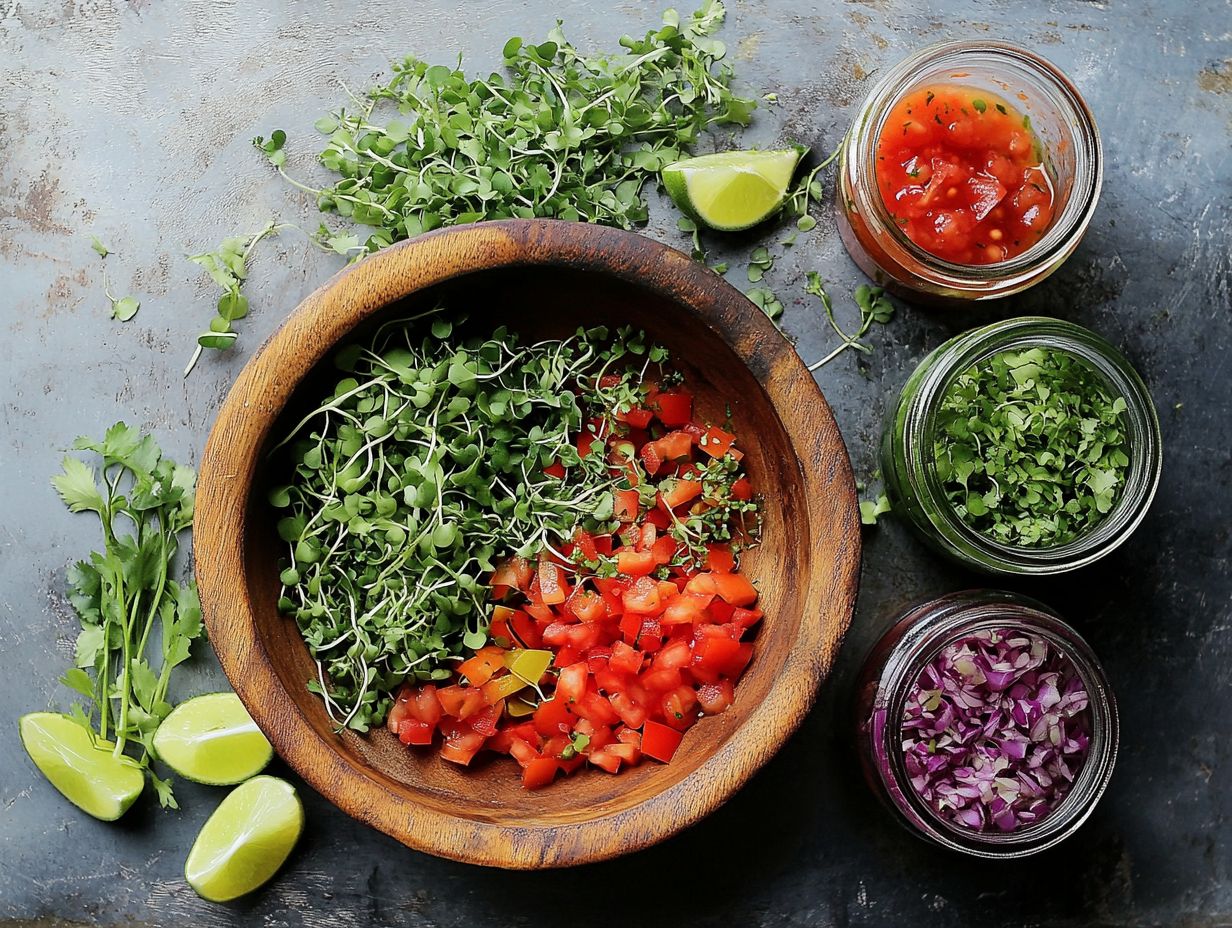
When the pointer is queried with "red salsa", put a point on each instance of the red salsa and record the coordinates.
(962, 174)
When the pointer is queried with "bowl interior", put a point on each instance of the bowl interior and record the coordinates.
(541, 302)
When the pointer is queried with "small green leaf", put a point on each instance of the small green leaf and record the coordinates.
(99, 247)
(124, 309)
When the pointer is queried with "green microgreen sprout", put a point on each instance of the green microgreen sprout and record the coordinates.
(874, 305)
(228, 268)
(122, 308)
(760, 261)
(765, 299)
(871, 509)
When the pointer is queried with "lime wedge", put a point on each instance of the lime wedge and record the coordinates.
(732, 190)
(246, 840)
(80, 765)
(212, 739)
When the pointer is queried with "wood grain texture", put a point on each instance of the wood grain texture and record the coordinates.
(542, 278)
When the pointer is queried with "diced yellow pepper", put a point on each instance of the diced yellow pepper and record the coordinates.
(527, 665)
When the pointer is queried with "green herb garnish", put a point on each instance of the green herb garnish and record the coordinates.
(874, 306)
(1031, 447)
(564, 135)
(760, 261)
(765, 299)
(871, 509)
(979, 105)
(228, 267)
(136, 622)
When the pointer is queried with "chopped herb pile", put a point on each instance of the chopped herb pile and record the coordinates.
(423, 470)
(136, 622)
(1031, 447)
(564, 135)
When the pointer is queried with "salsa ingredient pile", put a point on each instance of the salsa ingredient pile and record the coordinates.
(541, 532)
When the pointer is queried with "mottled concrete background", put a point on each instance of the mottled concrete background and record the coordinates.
(132, 121)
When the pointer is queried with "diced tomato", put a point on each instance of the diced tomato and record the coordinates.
(635, 563)
(720, 560)
(584, 543)
(649, 636)
(571, 684)
(713, 698)
(553, 716)
(597, 709)
(736, 665)
(512, 573)
(660, 681)
(660, 742)
(553, 588)
(479, 668)
(629, 754)
(523, 630)
(566, 655)
(646, 536)
(555, 469)
(484, 721)
(605, 759)
(674, 408)
(461, 742)
(637, 417)
(742, 489)
(674, 656)
(625, 659)
(541, 613)
(675, 445)
(603, 544)
(664, 548)
(411, 731)
(716, 442)
(720, 611)
(597, 659)
(651, 459)
(643, 597)
(423, 705)
(702, 584)
(715, 653)
(676, 491)
(539, 773)
(630, 711)
(586, 604)
(745, 618)
(735, 589)
(460, 702)
(685, 607)
(680, 707)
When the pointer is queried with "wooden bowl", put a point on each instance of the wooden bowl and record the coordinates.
(540, 277)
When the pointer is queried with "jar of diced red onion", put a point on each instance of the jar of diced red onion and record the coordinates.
(986, 724)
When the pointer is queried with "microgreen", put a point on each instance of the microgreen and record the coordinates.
(562, 135)
(102, 250)
(760, 261)
(809, 190)
(871, 509)
(874, 306)
(1031, 447)
(228, 268)
(765, 299)
(122, 308)
(137, 623)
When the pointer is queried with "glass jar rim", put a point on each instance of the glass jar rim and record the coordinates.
(969, 612)
(1064, 229)
(1142, 426)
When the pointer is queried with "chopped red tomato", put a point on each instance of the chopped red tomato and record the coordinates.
(674, 408)
(659, 741)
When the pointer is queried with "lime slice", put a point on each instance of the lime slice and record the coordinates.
(80, 765)
(732, 190)
(246, 840)
(212, 739)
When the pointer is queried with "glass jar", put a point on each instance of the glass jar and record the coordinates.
(893, 668)
(1073, 157)
(908, 460)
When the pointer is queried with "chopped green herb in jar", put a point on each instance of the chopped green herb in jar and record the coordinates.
(1031, 447)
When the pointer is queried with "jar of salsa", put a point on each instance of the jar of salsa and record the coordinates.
(971, 173)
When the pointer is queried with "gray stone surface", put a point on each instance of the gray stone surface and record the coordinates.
(132, 121)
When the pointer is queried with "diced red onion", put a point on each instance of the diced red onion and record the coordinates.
(995, 730)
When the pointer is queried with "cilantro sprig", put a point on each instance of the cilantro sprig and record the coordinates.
(1031, 447)
(563, 134)
(137, 623)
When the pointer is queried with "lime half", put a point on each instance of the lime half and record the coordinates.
(212, 739)
(246, 840)
(81, 766)
(732, 190)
